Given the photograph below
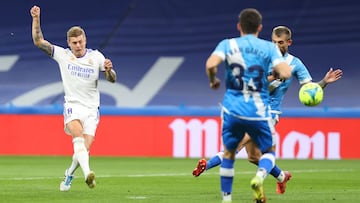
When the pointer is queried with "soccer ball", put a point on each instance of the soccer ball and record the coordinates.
(311, 94)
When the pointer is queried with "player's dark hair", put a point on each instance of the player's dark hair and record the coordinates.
(250, 19)
(282, 30)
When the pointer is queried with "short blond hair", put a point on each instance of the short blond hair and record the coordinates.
(75, 31)
(282, 30)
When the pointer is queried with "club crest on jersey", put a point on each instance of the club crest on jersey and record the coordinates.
(91, 62)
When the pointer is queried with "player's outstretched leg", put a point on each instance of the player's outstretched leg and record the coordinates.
(204, 165)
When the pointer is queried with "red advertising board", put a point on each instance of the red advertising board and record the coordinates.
(175, 136)
(318, 138)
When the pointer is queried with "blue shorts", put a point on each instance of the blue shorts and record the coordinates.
(234, 129)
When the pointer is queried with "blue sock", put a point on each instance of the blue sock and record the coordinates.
(214, 161)
(275, 171)
(227, 175)
(267, 161)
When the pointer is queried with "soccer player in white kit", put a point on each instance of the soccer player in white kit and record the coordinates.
(79, 68)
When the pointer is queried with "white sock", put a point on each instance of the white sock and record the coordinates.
(81, 154)
(281, 177)
(261, 173)
(226, 197)
(220, 155)
(74, 165)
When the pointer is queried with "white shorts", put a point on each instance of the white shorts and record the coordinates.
(89, 117)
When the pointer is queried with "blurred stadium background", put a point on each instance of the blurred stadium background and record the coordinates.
(136, 33)
(159, 49)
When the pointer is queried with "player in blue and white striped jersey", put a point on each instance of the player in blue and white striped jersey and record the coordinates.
(281, 36)
(245, 106)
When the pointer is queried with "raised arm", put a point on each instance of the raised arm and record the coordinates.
(110, 74)
(37, 35)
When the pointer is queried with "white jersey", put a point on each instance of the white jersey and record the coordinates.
(80, 75)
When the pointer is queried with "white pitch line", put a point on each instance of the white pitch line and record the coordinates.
(136, 197)
(182, 174)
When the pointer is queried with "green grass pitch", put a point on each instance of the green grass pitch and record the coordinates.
(166, 180)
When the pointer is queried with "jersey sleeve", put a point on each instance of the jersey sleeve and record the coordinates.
(100, 58)
(221, 48)
(58, 53)
(301, 73)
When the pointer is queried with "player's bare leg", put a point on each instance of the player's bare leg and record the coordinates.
(253, 152)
